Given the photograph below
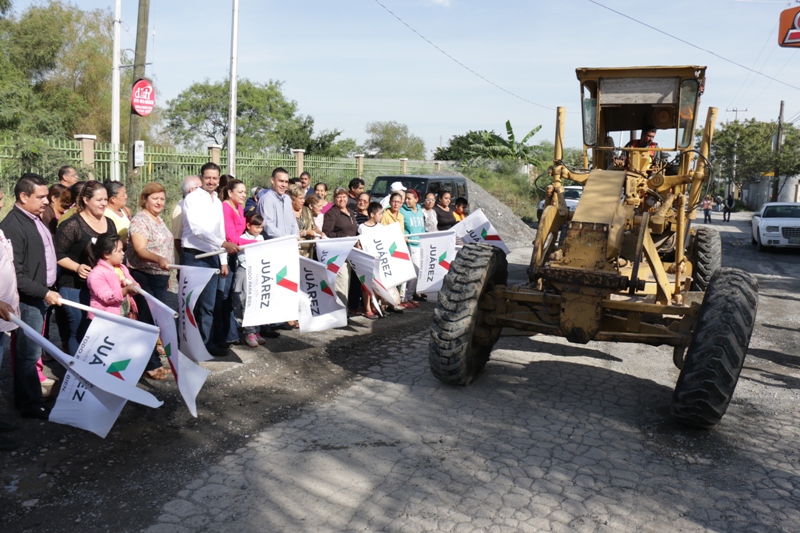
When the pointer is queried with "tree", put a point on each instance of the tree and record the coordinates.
(492, 146)
(459, 147)
(265, 119)
(742, 151)
(392, 140)
(55, 72)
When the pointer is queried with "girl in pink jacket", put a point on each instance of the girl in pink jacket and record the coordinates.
(110, 283)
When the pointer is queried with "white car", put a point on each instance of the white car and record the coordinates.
(572, 194)
(777, 224)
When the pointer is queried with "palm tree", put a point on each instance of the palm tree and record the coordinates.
(492, 146)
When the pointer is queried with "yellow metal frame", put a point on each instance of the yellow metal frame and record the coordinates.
(586, 291)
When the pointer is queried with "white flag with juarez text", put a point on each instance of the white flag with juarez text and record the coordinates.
(320, 308)
(191, 283)
(334, 252)
(437, 251)
(388, 245)
(273, 271)
(477, 228)
(119, 348)
(189, 375)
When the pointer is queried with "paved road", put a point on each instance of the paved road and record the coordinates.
(552, 437)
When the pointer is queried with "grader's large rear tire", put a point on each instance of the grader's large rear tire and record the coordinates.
(716, 353)
(461, 341)
(706, 257)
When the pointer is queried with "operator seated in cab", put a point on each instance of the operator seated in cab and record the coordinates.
(646, 141)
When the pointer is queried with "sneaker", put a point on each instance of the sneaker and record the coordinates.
(260, 339)
(251, 340)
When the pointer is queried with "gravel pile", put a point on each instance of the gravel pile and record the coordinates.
(514, 232)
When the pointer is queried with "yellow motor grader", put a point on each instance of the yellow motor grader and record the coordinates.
(630, 267)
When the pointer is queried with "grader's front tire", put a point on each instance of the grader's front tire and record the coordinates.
(706, 257)
(716, 353)
(461, 340)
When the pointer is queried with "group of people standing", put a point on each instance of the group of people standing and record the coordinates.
(708, 204)
(78, 241)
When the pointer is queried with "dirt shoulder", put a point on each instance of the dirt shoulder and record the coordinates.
(65, 479)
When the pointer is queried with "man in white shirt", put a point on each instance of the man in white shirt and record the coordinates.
(204, 231)
(190, 184)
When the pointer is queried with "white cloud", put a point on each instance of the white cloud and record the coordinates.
(445, 3)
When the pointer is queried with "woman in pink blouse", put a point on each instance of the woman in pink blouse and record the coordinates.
(233, 197)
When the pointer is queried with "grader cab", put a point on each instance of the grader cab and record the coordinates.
(631, 267)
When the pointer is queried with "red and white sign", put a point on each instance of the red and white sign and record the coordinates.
(143, 98)
(789, 31)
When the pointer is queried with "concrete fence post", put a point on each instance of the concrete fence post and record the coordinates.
(404, 165)
(87, 151)
(360, 165)
(214, 153)
(298, 156)
(438, 166)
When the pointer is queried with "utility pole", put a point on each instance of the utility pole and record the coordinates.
(234, 91)
(778, 142)
(115, 95)
(736, 110)
(140, 58)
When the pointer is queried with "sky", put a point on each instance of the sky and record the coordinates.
(350, 62)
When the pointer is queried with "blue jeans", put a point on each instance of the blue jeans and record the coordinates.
(204, 309)
(225, 329)
(75, 321)
(156, 285)
(25, 354)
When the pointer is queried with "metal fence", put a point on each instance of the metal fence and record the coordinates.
(170, 165)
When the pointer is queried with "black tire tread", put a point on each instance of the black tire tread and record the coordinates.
(717, 350)
(460, 346)
(706, 257)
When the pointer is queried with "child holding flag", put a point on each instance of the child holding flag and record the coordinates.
(375, 213)
(110, 282)
(110, 287)
(254, 225)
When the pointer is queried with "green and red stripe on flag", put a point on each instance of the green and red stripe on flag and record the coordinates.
(442, 263)
(399, 255)
(487, 237)
(116, 367)
(189, 314)
(325, 288)
(332, 266)
(286, 283)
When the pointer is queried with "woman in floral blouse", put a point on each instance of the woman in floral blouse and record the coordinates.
(150, 251)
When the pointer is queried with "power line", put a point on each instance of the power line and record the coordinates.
(459, 62)
(779, 71)
(747, 78)
(692, 45)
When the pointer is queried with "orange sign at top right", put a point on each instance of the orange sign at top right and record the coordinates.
(789, 32)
